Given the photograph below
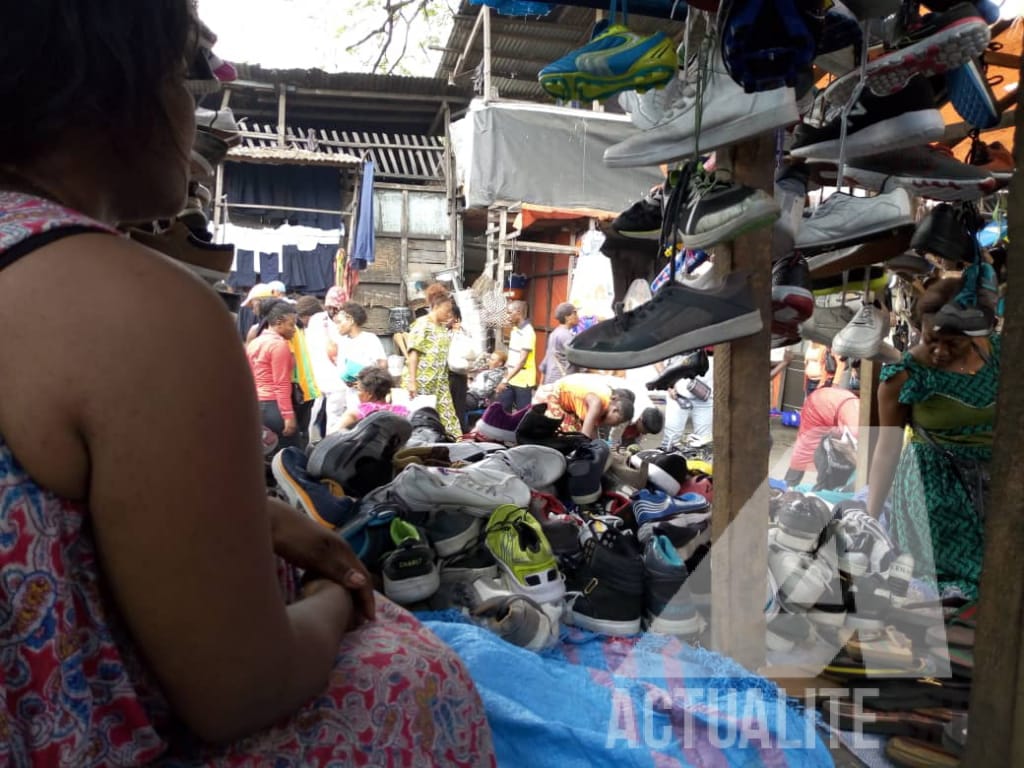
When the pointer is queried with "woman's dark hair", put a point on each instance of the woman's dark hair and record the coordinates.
(355, 311)
(307, 306)
(100, 65)
(456, 313)
(376, 381)
(625, 403)
(280, 310)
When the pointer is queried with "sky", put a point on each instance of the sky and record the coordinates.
(306, 34)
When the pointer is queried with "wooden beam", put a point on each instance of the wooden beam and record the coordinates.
(739, 555)
(996, 731)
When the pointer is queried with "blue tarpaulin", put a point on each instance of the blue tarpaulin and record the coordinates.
(648, 701)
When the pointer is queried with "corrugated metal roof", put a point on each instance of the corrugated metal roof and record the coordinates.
(522, 46)
(289, 156)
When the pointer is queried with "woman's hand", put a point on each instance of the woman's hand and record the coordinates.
(308, 545)
(291, 426)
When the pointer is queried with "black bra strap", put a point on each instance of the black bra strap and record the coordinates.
(34, 243)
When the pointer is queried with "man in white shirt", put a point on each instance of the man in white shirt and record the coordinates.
(322, 339)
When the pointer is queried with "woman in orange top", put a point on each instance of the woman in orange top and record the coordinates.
(585, 402)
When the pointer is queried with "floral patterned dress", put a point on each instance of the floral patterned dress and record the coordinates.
(933, 514)
(432, 342)
(75, 691)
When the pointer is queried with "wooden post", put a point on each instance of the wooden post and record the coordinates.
(996, 728)
(739, 558)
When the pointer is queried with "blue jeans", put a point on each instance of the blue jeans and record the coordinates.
(514, 398)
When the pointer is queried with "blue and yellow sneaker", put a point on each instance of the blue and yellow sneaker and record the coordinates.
(614, 60)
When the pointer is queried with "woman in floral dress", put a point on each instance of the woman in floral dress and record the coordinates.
(427, 369)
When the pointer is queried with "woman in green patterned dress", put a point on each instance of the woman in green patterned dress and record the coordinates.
(944, 389)
(427, 361)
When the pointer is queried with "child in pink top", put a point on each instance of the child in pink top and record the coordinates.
(373, 386)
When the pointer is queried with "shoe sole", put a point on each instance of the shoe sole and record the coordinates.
(933, 188)
(773, 115)
(947, 49)
(603, 626)
(761, 214)
(377, 437)
(294, 492)
(661, 626)
(911, 129)
(855, 285)
(547, 592)
(738, 327)
(404, 591)
(582, 86)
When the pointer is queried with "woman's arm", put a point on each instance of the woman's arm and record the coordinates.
(412, 361)
(282, 363)
(893, 417)
(348, 419)
(163, 441)
(592, 419)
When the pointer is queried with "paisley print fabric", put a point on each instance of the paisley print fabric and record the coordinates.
(75, 693)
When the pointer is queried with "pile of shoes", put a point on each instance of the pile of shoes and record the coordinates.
(748, 71)
(523, 537)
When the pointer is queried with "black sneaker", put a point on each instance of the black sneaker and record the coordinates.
(969, 321)
(360, 459)
(801, 519)
(585, 469)
(668, 604)
(876, 124)
(676, 320)
(410, 573)
(427, 428)
(642, 220)
(693, 364)
(944, 232)
(717, 211)
(536, 428)
(608, 582)
(792, 300)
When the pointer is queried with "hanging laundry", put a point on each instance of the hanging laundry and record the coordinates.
(363, 242)
(517, 7)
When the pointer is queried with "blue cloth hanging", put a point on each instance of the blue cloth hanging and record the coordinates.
(517, 7)
(269, 267)
(363, 242)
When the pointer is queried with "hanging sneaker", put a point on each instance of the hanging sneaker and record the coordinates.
(844, 220)
(994, 158)
(359, 459)
(765, 44)
(472, 489)
(536, 465)
(822, 326)
(643, 219)
(717, 211)
(323, 500)
(944, 232)
(646, 109)
(792, 300)
(863, 336)
(875, 124)
(728, 116)
(668, 604)
(932, 45)
(615, 60)
(970, 92)
(410, 573)
(523, 553)
(605, 587)
(930, 171)
(862, 256)
(676, 320)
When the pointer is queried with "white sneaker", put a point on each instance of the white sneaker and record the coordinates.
(847, 220)
(825, 323)
(801, 577)
(536, 465)
(512, 616)
(472, 489)
(862, 337)
(729, 115)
